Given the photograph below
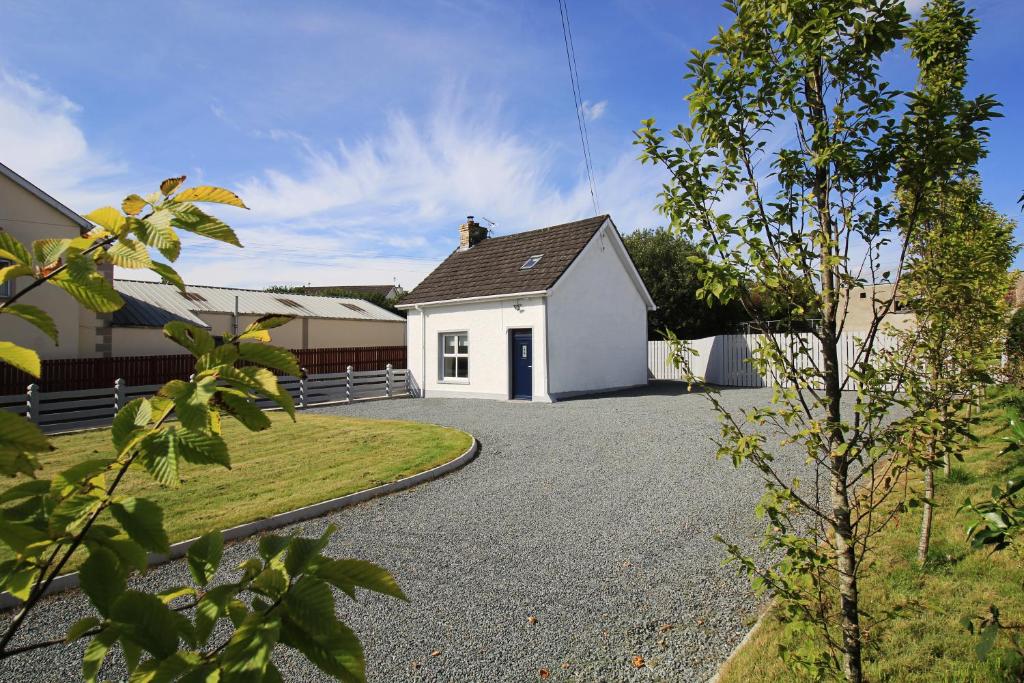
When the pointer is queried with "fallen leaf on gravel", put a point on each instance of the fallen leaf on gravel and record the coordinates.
(544, 673)
(665, 628)
(435, 653)
(565, 665)
(661, 644)
(638, 662)
(531, 619)
(415, 666)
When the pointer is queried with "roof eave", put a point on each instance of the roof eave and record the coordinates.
(471, 299)
(32, 189)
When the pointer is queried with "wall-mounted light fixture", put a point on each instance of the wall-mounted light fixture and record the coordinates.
(518, 306)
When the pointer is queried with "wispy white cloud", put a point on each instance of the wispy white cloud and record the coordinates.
(41, 140)
(416, 175)
(594, 110)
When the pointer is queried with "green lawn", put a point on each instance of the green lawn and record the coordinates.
(287, 466)
(926, 642)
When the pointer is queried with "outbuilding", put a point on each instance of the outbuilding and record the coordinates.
(540, 315)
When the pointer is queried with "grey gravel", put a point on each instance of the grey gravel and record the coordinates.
(594, 516)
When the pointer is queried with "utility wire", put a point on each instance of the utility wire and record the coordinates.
(577, 99)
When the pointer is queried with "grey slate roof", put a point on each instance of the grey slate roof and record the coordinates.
(152, 304)
(494, 266)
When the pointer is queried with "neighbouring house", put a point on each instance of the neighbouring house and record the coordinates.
(866, 302)
(28, 214)
(389, 292)
(540, 315)
(320, 321)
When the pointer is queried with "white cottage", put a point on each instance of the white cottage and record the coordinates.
(540, 315)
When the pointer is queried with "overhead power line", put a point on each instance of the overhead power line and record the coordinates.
(577, 99)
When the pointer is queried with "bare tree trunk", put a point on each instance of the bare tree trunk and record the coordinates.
(839, 458)
(926, 515)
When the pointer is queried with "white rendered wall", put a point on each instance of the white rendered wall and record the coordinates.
(488, 324)
(597, 323)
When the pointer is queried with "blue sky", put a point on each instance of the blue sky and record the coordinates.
(361, 134)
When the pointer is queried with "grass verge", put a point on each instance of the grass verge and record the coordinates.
(924, 640)
(290, 465)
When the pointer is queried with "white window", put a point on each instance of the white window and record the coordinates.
(7, 288)
(455, 356)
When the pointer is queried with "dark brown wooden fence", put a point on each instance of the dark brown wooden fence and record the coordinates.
(91, 373)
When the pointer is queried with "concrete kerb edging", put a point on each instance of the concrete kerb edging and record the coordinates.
(743, 643)
(235, 533)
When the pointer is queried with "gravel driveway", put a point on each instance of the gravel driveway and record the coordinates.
(580, 538)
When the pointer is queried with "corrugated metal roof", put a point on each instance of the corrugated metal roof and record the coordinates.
(152, 304)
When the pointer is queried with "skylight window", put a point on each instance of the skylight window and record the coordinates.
(289, 302)
(531, 262)
(354, 307)
(192, 296)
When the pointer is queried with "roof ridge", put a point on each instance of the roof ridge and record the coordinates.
(603, 218)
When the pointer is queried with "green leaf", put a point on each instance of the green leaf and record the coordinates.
(50, 250)
(257, 330)
(272, 546)
(13, 250)
(133, 204)
(96, 652)
(144, 521)
(271, 357)
(18, 433)
(36, 316)
(248, 652)
(195, 339)
(72, 513)
(158, 454)
(301, 551)
(345, 574)
(204, 556)
(195, 220)
(191, 401)
(245, 411)
(168, 275)
(270, 582)
(80, 627)
(201, 448)
(19, 535)
(8, 273)
(212, 607)
(130, 254)
(147, 622)
(206, 193)
(26, 489)
(156, 231)
(986, 640)
(130, 553)
(24, 359)
(81, 280)
(79, 474)
(310, 603)
(102, 579)
(333, 648)
(109, 218)
(20, 582)
(129, 421)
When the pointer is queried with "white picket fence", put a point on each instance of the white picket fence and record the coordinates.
(723, 360)
(64, 411)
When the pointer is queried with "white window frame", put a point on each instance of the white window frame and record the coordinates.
(7, 288)
(442, 355)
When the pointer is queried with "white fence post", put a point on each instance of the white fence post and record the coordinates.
(32, 402)
(118, 395)
(387, 381)
(348, 383)
(302, 388)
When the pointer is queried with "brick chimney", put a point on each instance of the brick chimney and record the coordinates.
(471, 233)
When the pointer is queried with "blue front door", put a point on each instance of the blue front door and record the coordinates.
(521, 348)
